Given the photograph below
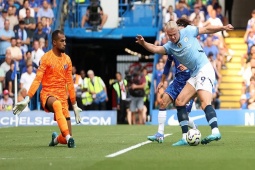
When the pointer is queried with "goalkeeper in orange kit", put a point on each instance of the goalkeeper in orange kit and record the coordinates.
(55, 74)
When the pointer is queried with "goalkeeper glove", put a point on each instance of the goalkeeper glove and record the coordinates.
(20, 106)
(77, 111)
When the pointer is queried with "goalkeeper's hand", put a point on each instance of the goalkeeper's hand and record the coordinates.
(20, 106)
(77, 111)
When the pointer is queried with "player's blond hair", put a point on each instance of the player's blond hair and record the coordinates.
(171, 25)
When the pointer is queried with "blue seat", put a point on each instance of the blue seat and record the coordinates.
(142, 15)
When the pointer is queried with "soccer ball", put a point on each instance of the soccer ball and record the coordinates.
(193, 137)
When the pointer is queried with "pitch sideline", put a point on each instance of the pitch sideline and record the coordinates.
(131, 148)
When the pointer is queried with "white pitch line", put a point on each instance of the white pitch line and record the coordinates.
(131, 148)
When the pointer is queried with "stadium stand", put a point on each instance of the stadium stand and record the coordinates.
(231, 84)
(147, 18)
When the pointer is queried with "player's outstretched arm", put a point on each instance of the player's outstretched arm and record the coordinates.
(213, 29)
(20, 106)
(150, 47)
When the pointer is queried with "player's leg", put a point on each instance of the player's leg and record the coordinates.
(159, 136)
(206, 98)
(176, 89)
(205, 81)
(55, 106)
(183, 98)
(191, 123)
(70, 142)
(60, 138)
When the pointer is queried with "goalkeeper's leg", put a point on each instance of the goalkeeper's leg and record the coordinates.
(60, 118)
(56, 107)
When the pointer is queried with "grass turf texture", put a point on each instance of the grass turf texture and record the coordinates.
(27, 148)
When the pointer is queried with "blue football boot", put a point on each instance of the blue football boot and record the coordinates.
(157, 137)
(210, 138)
(181, 142)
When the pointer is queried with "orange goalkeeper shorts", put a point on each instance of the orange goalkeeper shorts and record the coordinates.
(64, 102)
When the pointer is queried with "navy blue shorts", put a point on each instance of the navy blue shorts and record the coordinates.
(175, 88)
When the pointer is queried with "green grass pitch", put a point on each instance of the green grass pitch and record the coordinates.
(27, 148)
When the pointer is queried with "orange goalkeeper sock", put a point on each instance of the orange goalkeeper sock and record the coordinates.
(61, 139)
(60, 118)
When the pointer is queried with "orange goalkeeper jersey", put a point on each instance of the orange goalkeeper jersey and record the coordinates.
(55, 74)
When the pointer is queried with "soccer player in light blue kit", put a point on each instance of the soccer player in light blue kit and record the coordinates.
(170, 94)
(184, 45)
(173, 90)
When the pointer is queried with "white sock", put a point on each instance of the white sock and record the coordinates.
(215, 130)
(67, 137)
(184, 136)
(56, 140)
(191, 124)
(161, 121)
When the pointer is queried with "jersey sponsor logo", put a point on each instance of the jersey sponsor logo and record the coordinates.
(185, 39)
(65, 66)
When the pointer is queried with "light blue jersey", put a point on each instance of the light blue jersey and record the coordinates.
(187, 50)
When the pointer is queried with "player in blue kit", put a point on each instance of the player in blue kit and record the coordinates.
(170, 94)
(183, 44)
(182, 74)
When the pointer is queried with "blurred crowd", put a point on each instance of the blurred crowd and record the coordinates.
(24, 29)
(248, 66)
(130, 93)
(26, 24)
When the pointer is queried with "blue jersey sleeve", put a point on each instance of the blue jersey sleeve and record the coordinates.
(167, 47)
(192, 30)
(168, 65)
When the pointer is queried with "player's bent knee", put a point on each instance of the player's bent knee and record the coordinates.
(165, 101)
(162, 105)
(56, 104)
(179, 102)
